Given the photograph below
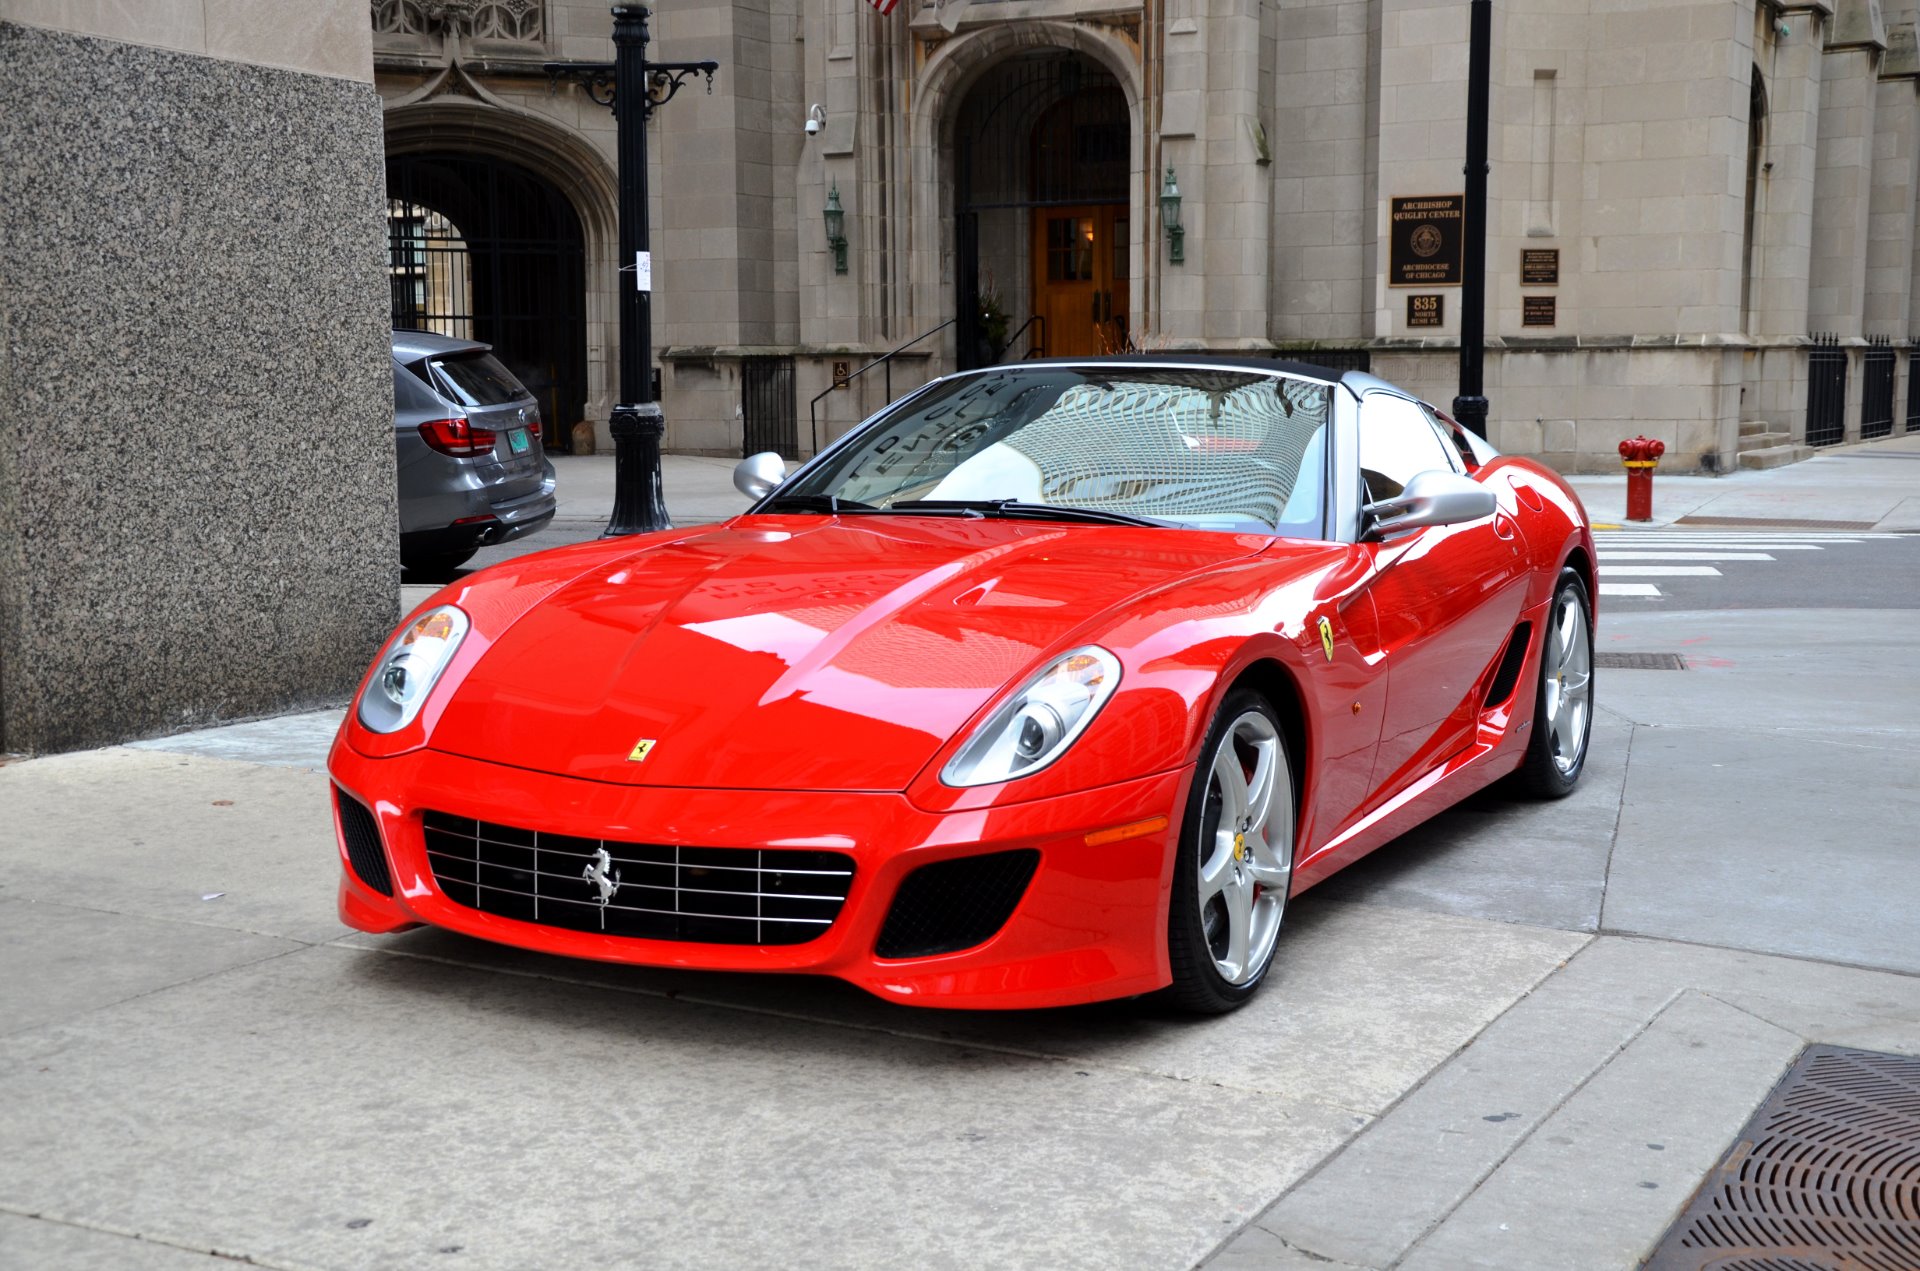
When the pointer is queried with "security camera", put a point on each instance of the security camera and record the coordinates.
(816, 120)
(813, 126)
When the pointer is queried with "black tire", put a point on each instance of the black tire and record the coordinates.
(1554, 761)
(1193, 940)
(435, 567)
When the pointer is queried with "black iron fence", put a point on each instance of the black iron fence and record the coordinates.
(770, 417)
(1876, 389)
(1826, 391)
(1913, 398)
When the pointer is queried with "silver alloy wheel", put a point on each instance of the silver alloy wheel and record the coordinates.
(1569, 681)
(1245, 848)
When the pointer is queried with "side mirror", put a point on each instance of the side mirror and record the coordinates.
(1436, 497)
(757, 475)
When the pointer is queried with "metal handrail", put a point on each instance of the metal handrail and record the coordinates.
(1038, 350)
(813, 413)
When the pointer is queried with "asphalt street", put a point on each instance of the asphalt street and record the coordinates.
(1516, 1037)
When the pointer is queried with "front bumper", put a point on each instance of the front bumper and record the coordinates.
(1091, 924)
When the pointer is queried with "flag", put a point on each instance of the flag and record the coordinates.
(884, 6)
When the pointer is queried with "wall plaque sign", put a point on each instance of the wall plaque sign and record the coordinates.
(1539, 266)
(1426, 311)
(1424, 240)
(1539, 311)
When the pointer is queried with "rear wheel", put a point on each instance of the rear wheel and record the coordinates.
(1563, 708)
(1234, 860)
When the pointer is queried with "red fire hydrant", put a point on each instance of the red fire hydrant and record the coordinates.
(1642, 456)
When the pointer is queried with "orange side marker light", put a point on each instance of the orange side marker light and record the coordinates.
(1131, 830)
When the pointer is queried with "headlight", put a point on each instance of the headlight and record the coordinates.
(410, 668)
(1035, 726)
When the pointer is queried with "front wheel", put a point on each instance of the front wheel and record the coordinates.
(1234, 860)
(1563, 708)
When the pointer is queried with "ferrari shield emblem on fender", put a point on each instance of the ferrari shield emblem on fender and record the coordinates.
(644, 747)
(1326, 637)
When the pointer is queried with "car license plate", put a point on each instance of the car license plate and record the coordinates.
(517, 441)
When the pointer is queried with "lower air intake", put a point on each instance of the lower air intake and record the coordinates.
(954, 905)
(362, 837)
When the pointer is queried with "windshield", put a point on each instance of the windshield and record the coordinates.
(1209, 449)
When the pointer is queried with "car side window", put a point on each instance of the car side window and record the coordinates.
(1455, 436)
(1397, 440)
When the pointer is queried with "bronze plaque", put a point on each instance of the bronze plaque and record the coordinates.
(1539, 311)
(1539, 266)
(1424, 241)
(1426, 311)
(840, 373)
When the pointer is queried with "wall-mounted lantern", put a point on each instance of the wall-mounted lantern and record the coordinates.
(1170, 217)
(836, 229)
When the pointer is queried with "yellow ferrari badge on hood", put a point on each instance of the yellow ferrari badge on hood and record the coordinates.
(641, 750)
(1326, 637)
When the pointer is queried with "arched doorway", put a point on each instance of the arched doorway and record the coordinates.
(484, 249)
(1042, 159)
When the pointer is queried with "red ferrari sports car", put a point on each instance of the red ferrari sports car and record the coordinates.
(1049, 683)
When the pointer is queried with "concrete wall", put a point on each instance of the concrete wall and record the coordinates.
(196, 456)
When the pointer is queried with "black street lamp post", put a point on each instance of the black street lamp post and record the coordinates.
(1470, 407)
(633, 88)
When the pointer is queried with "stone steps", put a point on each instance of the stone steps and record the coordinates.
(1773, 456)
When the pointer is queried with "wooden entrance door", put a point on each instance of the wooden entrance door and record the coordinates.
(1080, 278)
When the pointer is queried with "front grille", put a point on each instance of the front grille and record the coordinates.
(953, 905)
(718, 895)
(362, 838)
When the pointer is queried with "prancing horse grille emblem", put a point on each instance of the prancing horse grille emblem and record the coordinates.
(605, 881)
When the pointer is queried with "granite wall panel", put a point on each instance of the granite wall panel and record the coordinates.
(196, 456)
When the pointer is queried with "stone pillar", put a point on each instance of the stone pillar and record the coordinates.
(1843, 177)
(196, 450)
(1233, 246)
(1323, 176)
(1183, 133)
(1836, 299)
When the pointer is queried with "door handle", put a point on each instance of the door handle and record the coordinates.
(1095, 315)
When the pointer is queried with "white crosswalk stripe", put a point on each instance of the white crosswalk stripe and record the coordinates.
(1630, 554)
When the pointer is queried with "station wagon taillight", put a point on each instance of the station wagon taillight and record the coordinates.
(457, 437)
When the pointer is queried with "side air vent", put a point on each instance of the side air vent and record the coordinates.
(1508, 673)
(362, 838)
(954, 905)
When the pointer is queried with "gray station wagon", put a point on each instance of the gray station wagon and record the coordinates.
(467, 435)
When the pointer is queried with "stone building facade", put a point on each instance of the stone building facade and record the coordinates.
(1701, 212)
(196, 407)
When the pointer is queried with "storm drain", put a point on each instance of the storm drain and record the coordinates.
(1825, 1177)
(1640, 661)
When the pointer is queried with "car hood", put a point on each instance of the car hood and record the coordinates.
(787, 653)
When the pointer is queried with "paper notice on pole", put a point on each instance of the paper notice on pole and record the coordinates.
(643, 270)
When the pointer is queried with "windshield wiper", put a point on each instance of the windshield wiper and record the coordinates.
(831, 504)
(1017, 509)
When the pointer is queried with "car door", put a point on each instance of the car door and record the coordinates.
(1446, 598)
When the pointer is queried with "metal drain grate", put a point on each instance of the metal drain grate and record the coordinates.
(1825, 1177)
(1772, 523)
(1640, 661)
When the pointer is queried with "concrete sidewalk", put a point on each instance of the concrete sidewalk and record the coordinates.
(1873, 486)
(1516, 1037)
